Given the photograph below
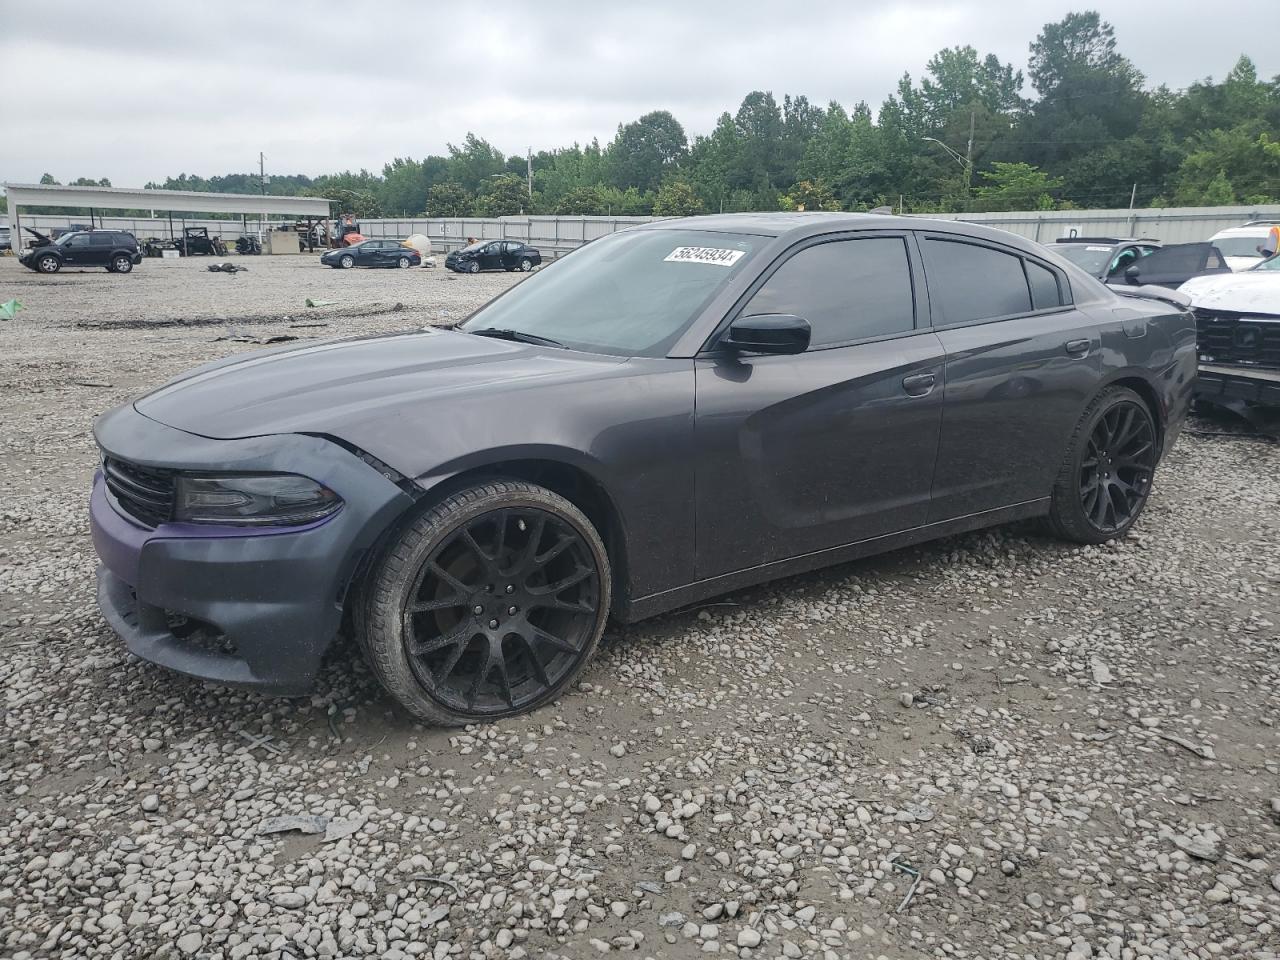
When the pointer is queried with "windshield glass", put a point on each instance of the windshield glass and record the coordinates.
(1271, 263)
(630, 294)
(472, 248)
(1239, 246)
(62, 240)
(1091, 257)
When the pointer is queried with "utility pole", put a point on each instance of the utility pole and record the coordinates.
(968, 158)
(528, 171)
(262, 185)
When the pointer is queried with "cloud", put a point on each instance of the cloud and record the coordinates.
(151, 89)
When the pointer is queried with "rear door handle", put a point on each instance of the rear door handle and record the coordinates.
(1078, 348)
(920, 384)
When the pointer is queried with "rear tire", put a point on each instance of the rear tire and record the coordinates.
(488, 605)
(526, 265)
(48, 264)
(1106, 475)
(120, 265)
(404, 263)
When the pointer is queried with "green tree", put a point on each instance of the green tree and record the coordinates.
(404, 187)
(811, 195)
(1016, 186)
(582, 202)
(474, 162)
(677, 199)
(1229, 163)
(449, 199)
(645, 151)
(503, 196)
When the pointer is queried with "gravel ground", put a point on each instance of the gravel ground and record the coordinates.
(991, 746)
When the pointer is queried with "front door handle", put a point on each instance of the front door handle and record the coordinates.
(919, 384)
(1078, 349)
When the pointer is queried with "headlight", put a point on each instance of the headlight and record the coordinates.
(280, 498)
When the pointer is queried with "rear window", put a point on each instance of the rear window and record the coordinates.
(1045, 291)
(968, 282)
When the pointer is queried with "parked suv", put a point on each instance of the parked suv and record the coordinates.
(114, 249)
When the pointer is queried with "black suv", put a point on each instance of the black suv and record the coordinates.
(113, 249)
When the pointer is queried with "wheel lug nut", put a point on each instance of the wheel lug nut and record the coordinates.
(478, 608)
(493, 624)
(511, 610)
(510, 588)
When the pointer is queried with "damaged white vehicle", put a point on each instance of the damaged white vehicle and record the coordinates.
(1238, 333)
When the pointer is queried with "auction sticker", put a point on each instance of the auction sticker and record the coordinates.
(716, 256)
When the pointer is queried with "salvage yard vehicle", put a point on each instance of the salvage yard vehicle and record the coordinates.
(1174, 265)
(1238, 329)
(493, 255)
(372, 253)
(1104, 257)
(196, 242)
(115, 250)
(1245, 245)
(671, 412)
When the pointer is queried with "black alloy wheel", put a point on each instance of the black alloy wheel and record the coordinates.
(487, 606)
(1106, 477)
(1116, 470)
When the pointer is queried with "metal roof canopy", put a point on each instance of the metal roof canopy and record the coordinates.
(187, 201)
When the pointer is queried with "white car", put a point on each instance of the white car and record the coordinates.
(1239, 245)
(1238, 336)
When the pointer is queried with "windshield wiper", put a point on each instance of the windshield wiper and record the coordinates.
(519, 336)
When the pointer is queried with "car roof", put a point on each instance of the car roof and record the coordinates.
(798, 225)
(1256, 230)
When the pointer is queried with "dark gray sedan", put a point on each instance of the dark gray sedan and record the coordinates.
(677, 410)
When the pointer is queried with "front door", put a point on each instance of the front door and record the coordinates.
(802, 453)
(76, 252)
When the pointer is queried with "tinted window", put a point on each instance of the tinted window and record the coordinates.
(1181, 258)
(103, 239)
(1044, 286)
(846, 289)
(632, 293)
(968, 282)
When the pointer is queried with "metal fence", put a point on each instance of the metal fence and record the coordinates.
(555, 236)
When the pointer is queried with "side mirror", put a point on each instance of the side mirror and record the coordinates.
(1131, 274)
(768, 333)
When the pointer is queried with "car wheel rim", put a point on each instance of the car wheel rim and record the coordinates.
(501, 611)
(47, 264)
(1116, 469)
(404, 262)
(525, 265)
(347, 261)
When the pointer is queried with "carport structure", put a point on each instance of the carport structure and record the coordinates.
(187, 201)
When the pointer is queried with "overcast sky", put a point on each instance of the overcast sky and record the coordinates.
(138, 91)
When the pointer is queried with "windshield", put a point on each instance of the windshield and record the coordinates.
(1239, 246)
(65, 238)
(472, 248)
(1091, 257)
(629, 294)
(1271, 263)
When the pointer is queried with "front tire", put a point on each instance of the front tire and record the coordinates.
(48, 264)
(488, 605)
(1106, 476)
(347, 262)
(473, 267)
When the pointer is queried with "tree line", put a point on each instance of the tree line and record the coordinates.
(962, 137)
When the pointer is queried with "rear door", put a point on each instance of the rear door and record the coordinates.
(802, 453)
(1021, 362)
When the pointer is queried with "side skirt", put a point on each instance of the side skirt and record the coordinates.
(656, 603)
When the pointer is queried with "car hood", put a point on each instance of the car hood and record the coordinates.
(335, 387)
(1237, 292)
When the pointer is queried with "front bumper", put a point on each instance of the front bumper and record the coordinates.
(1224, 383)
(267, 601)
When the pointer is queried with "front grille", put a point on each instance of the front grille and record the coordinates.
(1227, 337)
(144, 493)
